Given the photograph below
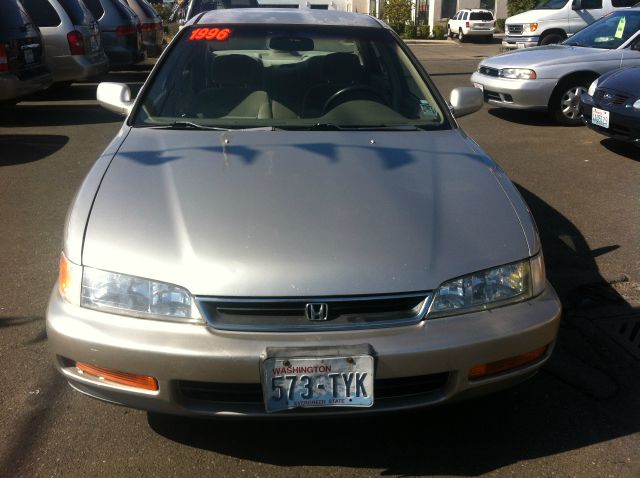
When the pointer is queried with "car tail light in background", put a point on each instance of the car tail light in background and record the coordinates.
(150, 27)
(4, 58)
(467, 25)
(76, 43)
(124, 30)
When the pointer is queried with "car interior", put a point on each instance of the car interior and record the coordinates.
(287, 78)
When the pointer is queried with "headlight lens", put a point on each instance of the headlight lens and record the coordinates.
(518, 73)
(636, 105)
(592, 87)
(529, 27)
(125, 295)
(490, 288)
(137, 297)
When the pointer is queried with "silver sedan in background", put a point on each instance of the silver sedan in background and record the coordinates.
(553, 77)
(291, 218)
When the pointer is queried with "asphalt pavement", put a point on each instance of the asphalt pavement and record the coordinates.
(579, 417)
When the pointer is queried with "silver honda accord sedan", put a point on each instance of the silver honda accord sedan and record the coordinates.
(291, 221)
(554, 77)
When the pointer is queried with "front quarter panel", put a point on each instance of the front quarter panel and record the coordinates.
(78, 214)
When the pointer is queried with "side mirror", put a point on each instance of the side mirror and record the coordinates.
(465, 101)
(115, 97)
(576, 5)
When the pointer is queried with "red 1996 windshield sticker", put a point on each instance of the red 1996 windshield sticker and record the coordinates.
(215, 34)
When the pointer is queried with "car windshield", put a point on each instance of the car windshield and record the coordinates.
(609, 32)
(244, 76)
(550, 5)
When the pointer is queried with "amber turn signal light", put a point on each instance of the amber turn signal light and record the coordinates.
(144, 382)
(483, 370)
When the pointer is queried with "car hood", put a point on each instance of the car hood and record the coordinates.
(624, 80)
(549, 55)
(281, 213)
(534, 16)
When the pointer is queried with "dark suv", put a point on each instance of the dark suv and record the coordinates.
(22, 68)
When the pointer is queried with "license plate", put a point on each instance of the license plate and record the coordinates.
(317, 382)
(520, 45)
(479, 86)
(28, 56)
(600, 117)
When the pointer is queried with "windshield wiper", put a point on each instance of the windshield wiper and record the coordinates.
(188, 125)
(337, 127)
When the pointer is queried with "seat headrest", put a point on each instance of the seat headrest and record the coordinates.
(341, 68)
(236, 70)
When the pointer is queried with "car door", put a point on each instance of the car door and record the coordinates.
(589, 12)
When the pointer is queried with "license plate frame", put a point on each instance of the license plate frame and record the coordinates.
(520, 45)
(317, 382)
(29, 57)
(600, 117)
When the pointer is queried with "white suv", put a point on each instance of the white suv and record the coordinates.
(472, 22)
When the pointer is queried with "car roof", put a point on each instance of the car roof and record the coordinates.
(290, 16)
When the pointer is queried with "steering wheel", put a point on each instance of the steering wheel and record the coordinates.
(350, 89)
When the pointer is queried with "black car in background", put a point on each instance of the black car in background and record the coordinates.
(612, 105)
(22, 65)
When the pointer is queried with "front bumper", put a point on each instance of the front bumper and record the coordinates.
(624, 123)
(175, 353)
(514, 42)
(516, 94)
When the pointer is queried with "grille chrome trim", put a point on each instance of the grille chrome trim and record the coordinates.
(289, 307)
(488, 71)
(515, 29)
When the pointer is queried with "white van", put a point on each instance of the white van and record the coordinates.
(552, 21)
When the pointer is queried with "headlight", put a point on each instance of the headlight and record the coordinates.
(636, 105)
(529, 27)
(125, 295)
(518, 73)
(592, 87)
(490, 288)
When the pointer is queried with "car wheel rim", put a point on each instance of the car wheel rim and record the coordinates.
(570, 102)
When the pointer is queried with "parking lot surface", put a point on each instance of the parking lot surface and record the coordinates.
(578, 417)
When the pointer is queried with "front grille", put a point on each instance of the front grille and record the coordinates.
(610, 97)
(486, 70)
(289, 315)
(385, 388)
(514, 29)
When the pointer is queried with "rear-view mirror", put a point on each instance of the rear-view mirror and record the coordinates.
(115, 97)
(465, 100)
(291, 44)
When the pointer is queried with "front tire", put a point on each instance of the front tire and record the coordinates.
(551, 39)
(564, 105)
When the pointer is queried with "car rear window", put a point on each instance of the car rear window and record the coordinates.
(12, 16)
(95, 7)
(77, 12)
(486, 16)
(123, 10)
(146, 8)
(42, 13)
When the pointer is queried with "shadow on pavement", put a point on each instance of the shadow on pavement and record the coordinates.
(524, 117)
(25, 148)
(621, 148)
(585, 395)
(26, 114)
